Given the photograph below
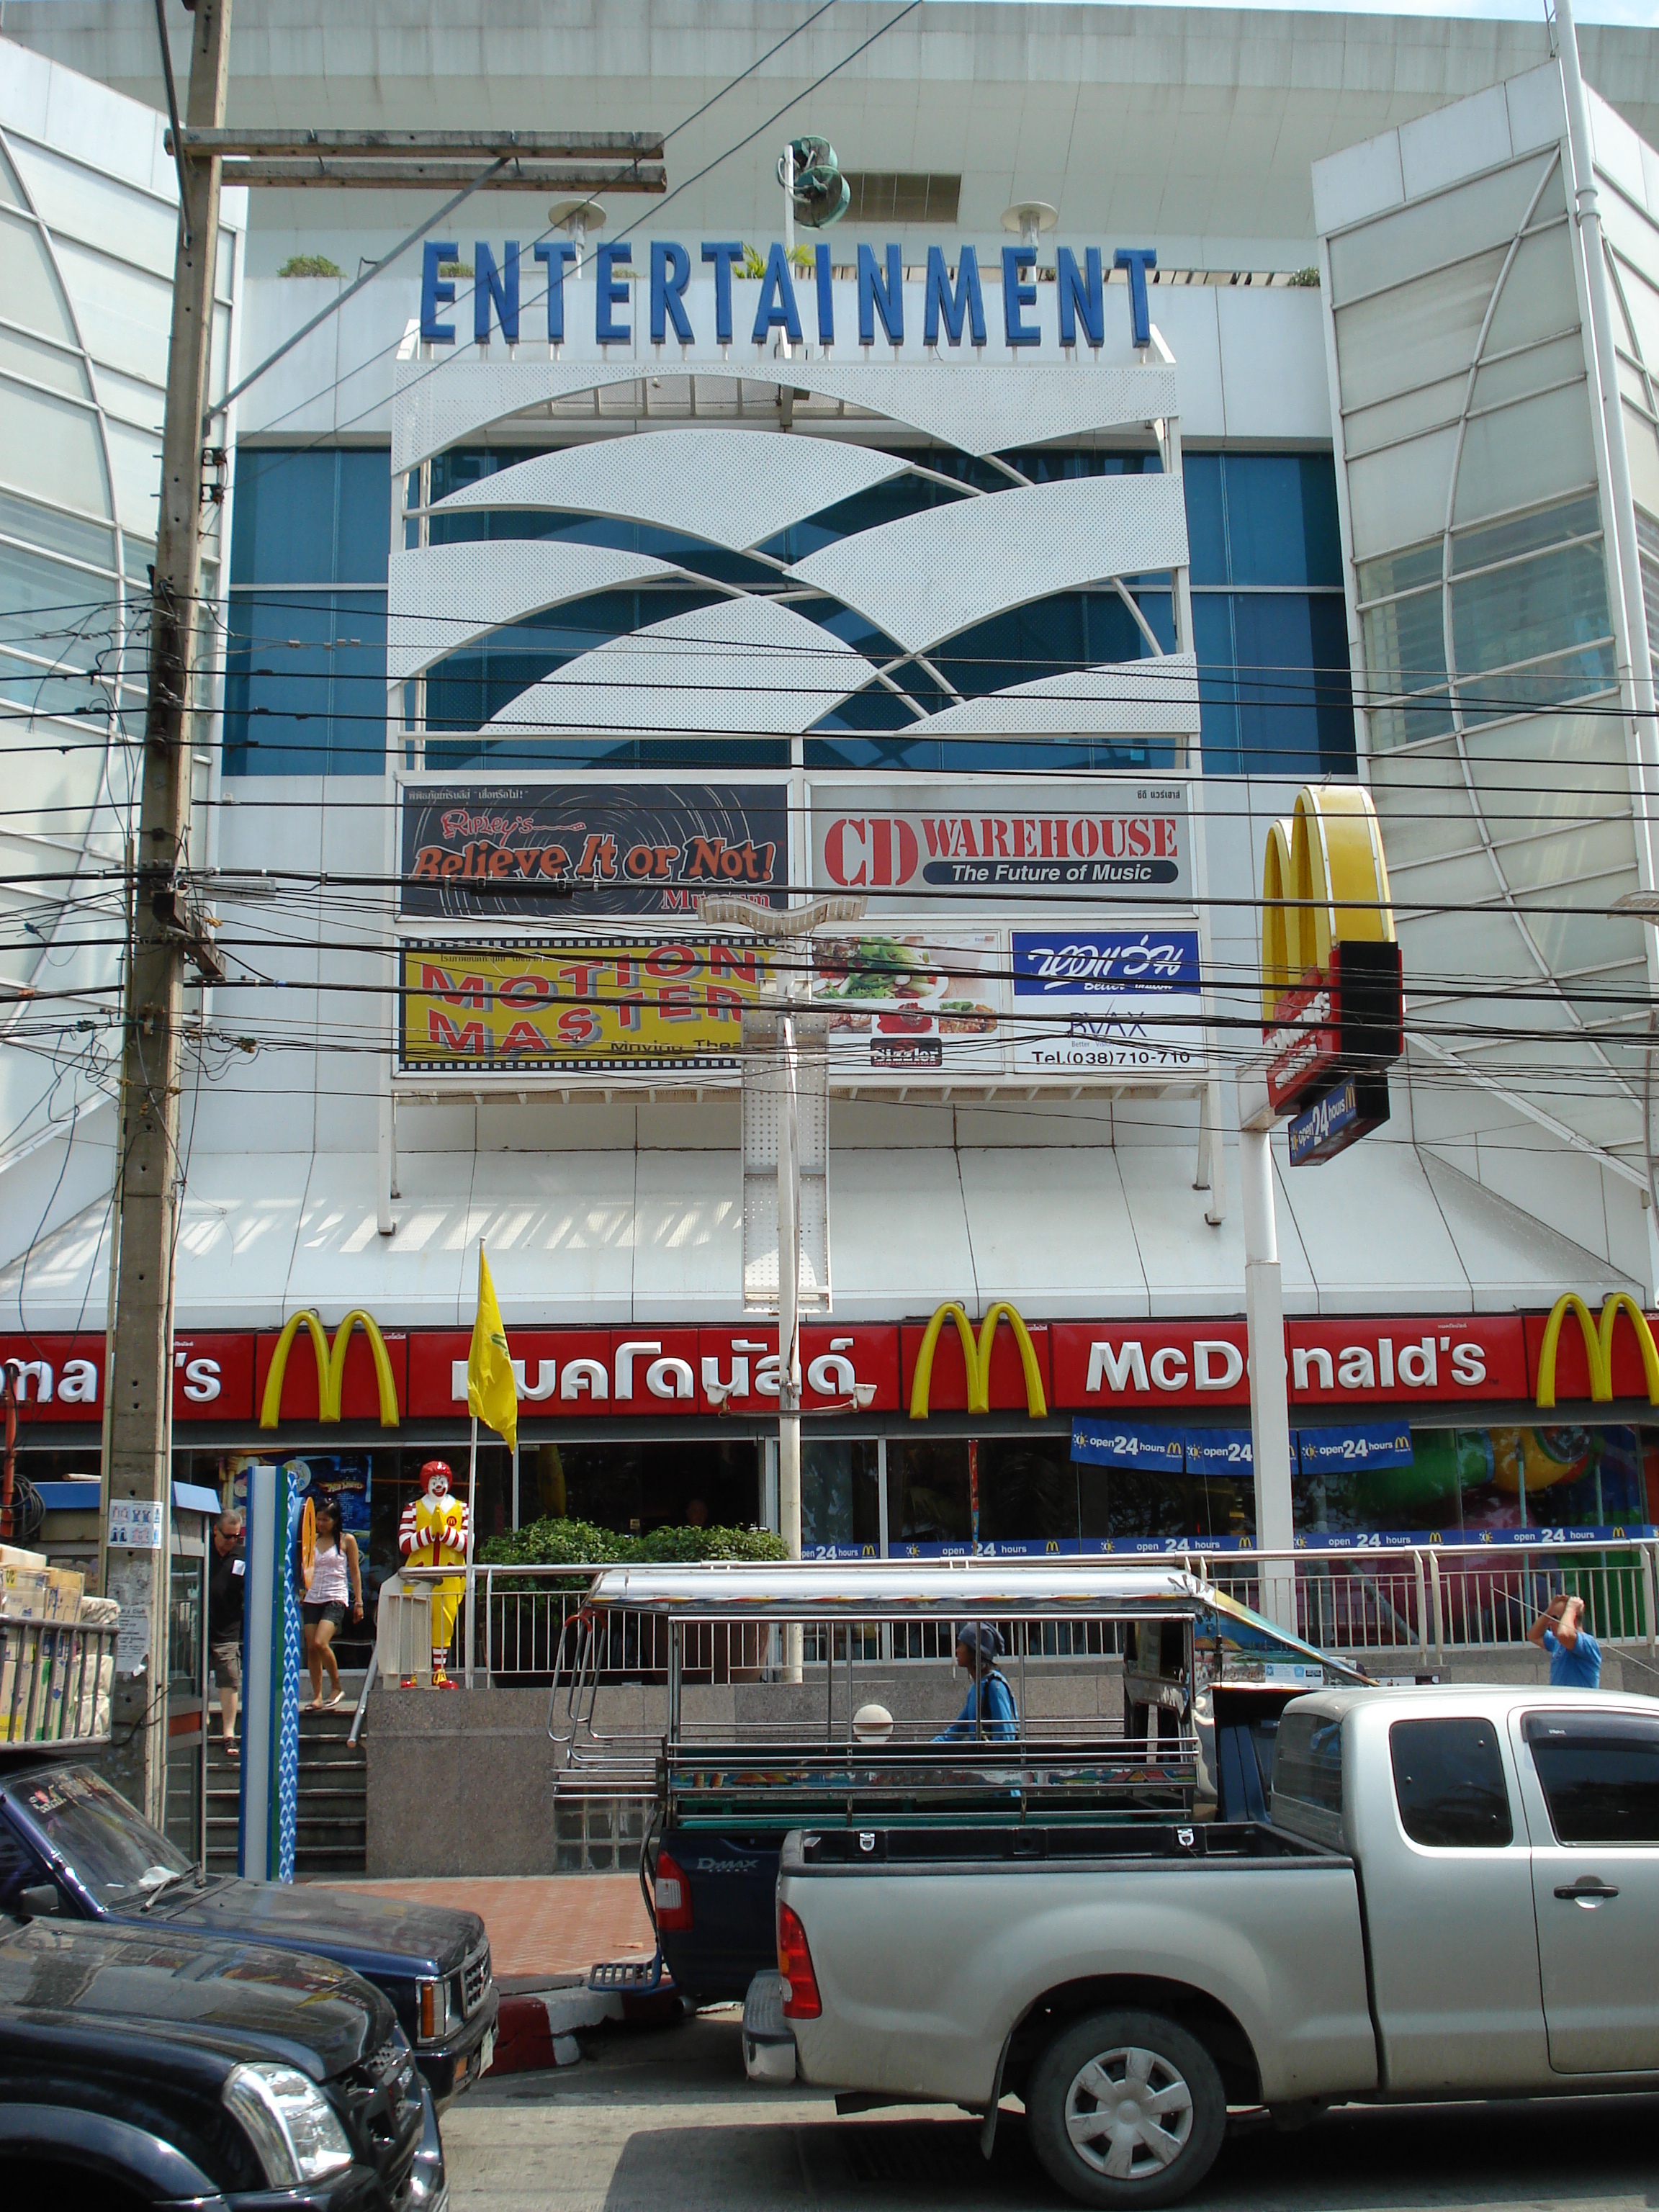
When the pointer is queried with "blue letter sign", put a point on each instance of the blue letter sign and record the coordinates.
(943, 303)
(436, 292)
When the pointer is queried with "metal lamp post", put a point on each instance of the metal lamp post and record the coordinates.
(792, 926)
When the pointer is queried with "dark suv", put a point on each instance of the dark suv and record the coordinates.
(63, 1825)
(162, 2069)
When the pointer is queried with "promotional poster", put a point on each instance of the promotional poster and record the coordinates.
(671, 1005)
(534, 851)
(1108, 1000)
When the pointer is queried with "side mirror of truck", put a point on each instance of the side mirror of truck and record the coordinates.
(41, 1901)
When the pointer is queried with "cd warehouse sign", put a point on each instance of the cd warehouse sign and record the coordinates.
(1087, 842)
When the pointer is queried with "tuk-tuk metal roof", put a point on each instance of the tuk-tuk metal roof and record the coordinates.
(946, 1589)
(954, 1590)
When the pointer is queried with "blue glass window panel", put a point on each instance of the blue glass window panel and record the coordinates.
(1217, 687)
(1206, 523)
(480, 526)
(1281, 519)
(494, 755)
(302, 516)
(1295, 701)
(465, 690)
(305, 684)
(363, 516)
(1050, 637)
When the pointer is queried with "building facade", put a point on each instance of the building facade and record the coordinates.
(1011, 591)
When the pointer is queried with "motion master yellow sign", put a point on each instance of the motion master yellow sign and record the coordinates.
(671, 1005)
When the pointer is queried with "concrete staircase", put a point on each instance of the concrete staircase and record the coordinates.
(333, 1824)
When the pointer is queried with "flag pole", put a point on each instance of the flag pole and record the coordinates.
(471, 1522)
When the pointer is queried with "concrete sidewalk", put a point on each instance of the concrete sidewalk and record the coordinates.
(543, 1926)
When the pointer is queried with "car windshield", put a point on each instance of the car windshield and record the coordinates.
(113, 1851)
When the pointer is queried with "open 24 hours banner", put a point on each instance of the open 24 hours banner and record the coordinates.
(545, 850)
(664, 1005)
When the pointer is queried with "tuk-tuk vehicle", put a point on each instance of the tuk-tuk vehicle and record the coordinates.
(743, 1701)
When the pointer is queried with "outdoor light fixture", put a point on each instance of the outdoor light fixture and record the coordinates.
(726, 912)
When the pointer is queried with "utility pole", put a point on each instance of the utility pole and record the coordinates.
(138, 1370)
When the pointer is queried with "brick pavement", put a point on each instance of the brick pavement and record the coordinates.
(543, 1925)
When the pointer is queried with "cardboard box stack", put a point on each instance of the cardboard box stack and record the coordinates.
(23, 1599)
(56, 1651)
(98, 1677)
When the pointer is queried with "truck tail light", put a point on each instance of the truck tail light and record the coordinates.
(674, 1897)
(795, 1964)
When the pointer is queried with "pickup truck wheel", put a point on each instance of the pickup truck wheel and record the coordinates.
(1125, 2108)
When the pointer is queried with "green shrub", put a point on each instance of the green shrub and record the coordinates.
(1307, 277)
(309, 265)
(562, 1542)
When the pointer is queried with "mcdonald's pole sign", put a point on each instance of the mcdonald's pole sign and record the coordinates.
(331, 1358)
(1598, 1341)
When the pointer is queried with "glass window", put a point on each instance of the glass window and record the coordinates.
(927, 1493)
(107, 1847)
(1599, 1773)
(1308, 1760)
(1449, 1783)
(1206, 523)
(304, 516)
(1028, 1491)
(839, 1493)
(1281, 519)
(1466, 1481)
(305, 684)
(33, 296)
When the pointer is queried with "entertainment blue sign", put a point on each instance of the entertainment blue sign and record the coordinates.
(952, 309)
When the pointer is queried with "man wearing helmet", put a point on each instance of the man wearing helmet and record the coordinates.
(433, 1533)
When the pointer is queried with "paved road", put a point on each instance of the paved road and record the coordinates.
(667, 2121)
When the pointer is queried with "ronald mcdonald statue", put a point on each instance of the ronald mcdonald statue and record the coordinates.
(433, 1533)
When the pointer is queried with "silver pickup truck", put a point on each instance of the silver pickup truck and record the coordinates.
(1457, 1896)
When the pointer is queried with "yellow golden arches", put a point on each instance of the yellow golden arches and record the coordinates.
(1598, 1346)
(976, 1359)
(1324, 881)
(330, 1367)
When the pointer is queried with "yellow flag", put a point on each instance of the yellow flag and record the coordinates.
(490, 1391)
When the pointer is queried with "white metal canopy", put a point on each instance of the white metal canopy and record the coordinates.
(872, 1590)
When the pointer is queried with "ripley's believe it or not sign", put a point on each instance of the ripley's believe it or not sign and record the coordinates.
(913, 998)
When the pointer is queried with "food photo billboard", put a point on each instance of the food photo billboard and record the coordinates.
(906, 1002)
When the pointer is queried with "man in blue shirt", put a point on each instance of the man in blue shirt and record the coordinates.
(990, 1715)
(1575, 1655)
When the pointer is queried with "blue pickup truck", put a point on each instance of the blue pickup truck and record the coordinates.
(62, 1824)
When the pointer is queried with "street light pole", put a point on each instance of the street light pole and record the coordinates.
(793, 927)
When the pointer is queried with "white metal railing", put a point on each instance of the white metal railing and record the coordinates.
(1416, 1605)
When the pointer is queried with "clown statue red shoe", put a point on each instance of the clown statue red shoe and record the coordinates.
(433, 1533)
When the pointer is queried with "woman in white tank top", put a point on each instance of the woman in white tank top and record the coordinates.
(323, 1609)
